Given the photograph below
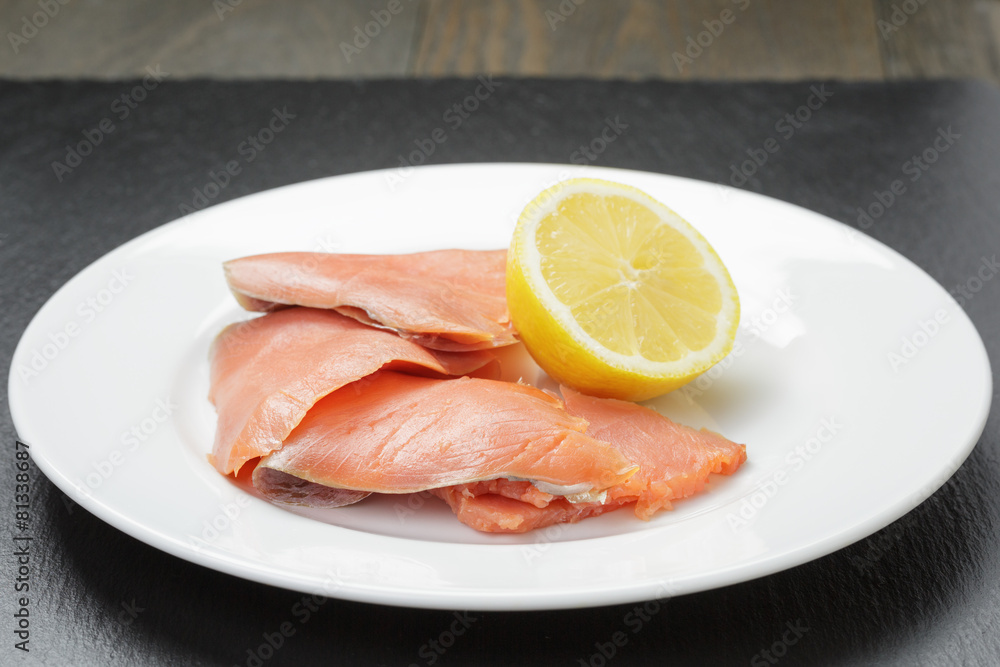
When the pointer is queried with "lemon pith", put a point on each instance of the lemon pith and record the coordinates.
(614, 294)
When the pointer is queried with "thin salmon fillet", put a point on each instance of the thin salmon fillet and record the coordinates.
(267, 372)
(443, 299)
(395, 433)
(675, 462)
(495, 513)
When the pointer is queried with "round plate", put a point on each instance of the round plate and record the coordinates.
(858, 385)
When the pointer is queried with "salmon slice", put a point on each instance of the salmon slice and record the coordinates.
(395, 433)
(675, 462)
(443, 299)
(495, 513)
(267, 372)
(508, 488)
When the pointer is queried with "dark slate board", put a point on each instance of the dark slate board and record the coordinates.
(924, 590)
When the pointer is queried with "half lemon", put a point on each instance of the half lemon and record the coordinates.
(614, 294)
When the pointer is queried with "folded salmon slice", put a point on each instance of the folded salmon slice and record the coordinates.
(395, 433)
(267, 372)
(675, 462)
(443, 299)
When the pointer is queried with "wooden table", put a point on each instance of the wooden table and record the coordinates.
(757, 39)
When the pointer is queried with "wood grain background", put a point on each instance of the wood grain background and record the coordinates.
(764, 39)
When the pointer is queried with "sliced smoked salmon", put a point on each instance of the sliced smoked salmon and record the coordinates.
(396, 433)
(674, 462)
(502, 513)
(443, 299)
(267, 372)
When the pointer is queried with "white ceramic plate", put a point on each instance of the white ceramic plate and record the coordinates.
(108, 386)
